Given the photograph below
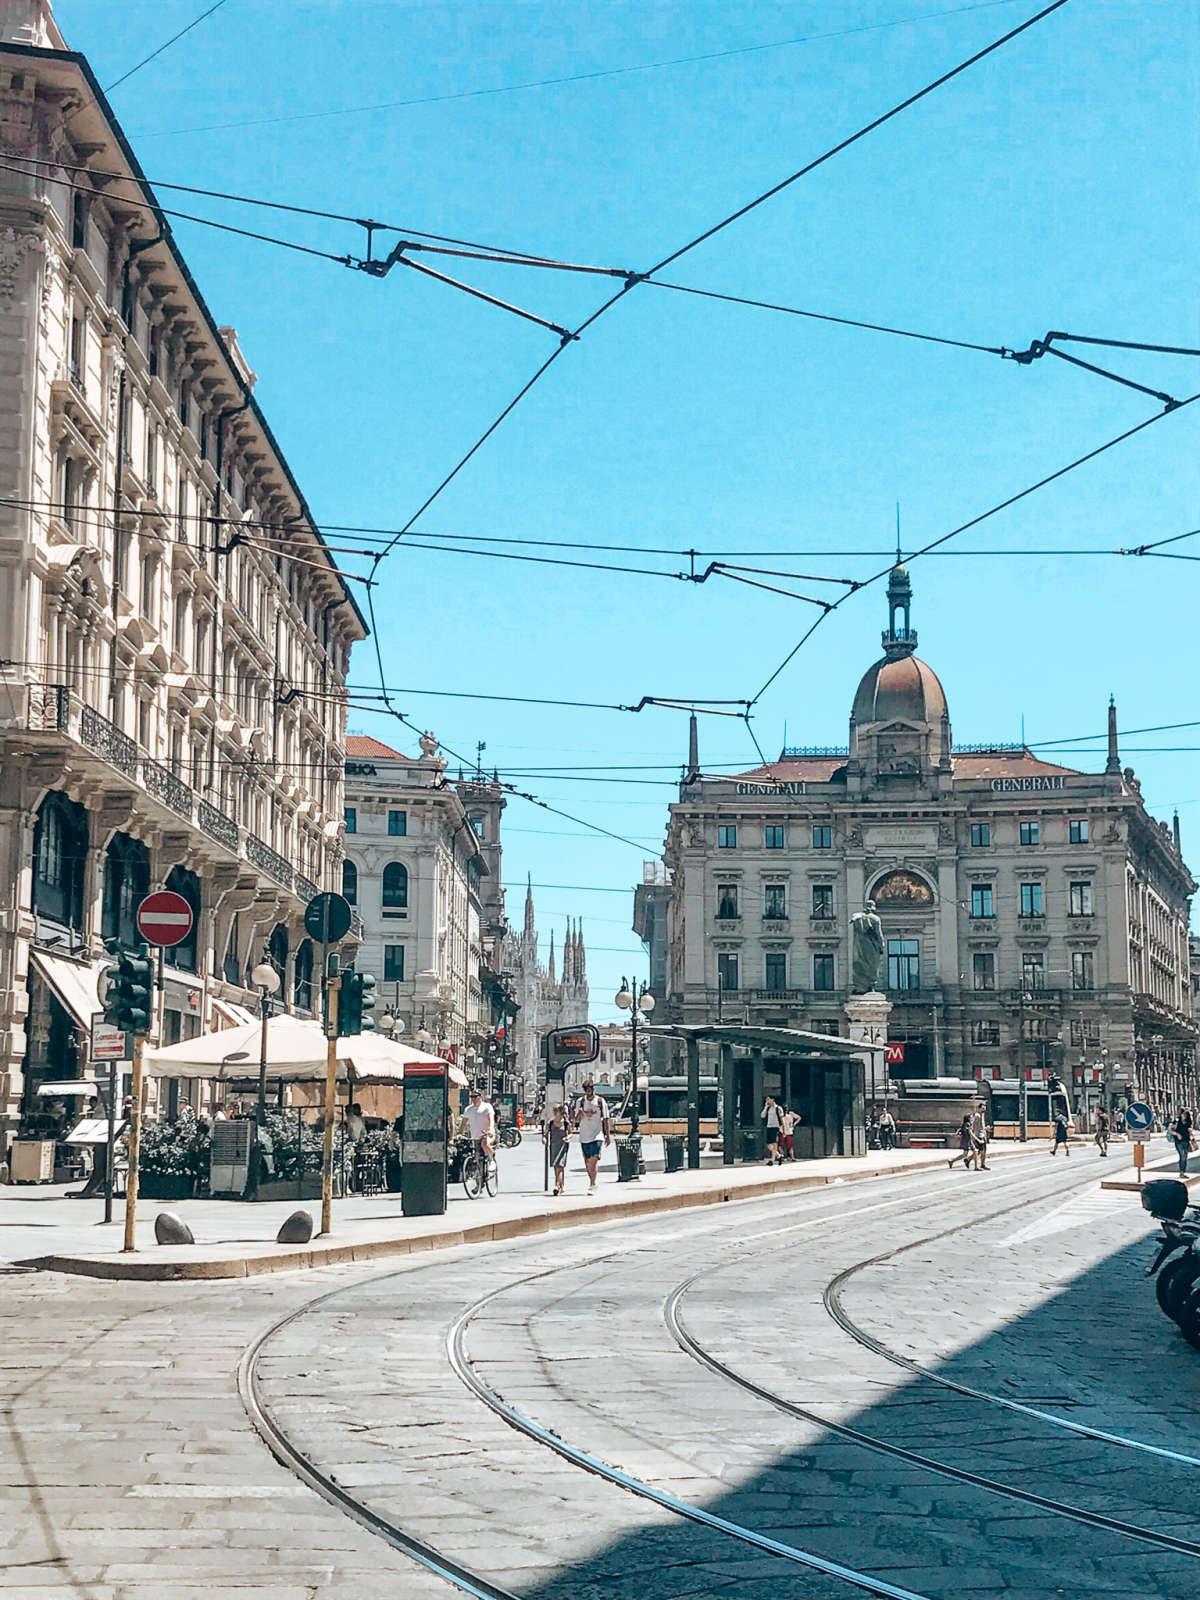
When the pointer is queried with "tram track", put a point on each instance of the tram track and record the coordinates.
(475, 1583)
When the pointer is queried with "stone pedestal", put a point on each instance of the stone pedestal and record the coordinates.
(868, 1015)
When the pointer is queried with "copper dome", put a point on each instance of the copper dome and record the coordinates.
(900, 689)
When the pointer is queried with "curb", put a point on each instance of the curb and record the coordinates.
(302, 1258)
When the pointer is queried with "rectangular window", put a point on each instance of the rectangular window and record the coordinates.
(1081, 899)
(1077, 830)
(70, 491)
(775, 967)
(152, 462)
(77, 352)
(1084, 1033)
(78, 221)
(983, 969)
(726, 836)
(393, 963)
(727, 970)
(149, 576)
(1029, 833)
(1033, 970)
(351, 819)
(727, 900)
(985, 1031)
(981, 835)
(822, 836)
(397, 824)
(775, 902)
(981, 900)
(822, 901)
(774, 836)
(1031, 900)
(823, 972)
(904, 964)
(1082, 969)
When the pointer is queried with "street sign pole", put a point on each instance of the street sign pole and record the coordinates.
(112, 1139)
(334, 984)
(135, 1141)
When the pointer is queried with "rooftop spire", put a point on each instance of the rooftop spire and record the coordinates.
(693, 766)
(529, 903)
(1113, 764)
(901, 637)
(550, 967)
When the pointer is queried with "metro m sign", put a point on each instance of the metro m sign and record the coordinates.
(894, 1054)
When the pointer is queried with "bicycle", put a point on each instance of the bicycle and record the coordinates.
(479, 1172)
(510, 1136)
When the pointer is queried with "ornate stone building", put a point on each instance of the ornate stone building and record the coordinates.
(1035, 916)
(174, 635)
(545, 999)
(414, 868)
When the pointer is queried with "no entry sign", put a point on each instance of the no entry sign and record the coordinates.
(164, 918)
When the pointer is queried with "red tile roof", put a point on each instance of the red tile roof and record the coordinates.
(812, 769)
(361, 744)
(981, 764)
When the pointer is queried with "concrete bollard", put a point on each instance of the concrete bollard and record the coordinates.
(296, 1230)
(170, 1229)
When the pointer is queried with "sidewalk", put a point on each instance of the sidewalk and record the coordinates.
(40, 1227)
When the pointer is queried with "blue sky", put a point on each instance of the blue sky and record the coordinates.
(1053, 186)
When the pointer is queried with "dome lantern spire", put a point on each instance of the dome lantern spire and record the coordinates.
(901, 637)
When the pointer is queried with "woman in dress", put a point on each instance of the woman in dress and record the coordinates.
(558, 1141)
(966, 1145)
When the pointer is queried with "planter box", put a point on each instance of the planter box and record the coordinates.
(165, 1185)
(306, 1188)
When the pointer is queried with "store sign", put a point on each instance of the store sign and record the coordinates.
(360, 769)
(109, 1043)
(790, 786)
(1026, 785)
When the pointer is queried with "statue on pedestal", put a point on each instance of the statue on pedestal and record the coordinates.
(866, 948)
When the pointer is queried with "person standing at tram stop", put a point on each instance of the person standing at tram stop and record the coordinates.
(593, 1127)
(772, 1116)
(1061, 1131)
(887, 1130)
(1182, 1138)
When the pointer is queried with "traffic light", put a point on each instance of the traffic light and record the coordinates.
(356, 1002)
(108, 983)
(132, 990)
(1055, 1083)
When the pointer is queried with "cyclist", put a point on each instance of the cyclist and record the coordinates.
(481, 1120)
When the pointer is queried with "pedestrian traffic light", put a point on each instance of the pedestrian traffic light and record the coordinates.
(132, 1000)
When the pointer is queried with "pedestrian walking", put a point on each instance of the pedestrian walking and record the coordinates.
(1182, 1138)
(979, 1134)
(887, 1130)
(592, 1124)
(787, 1132)
(966, 1145)
(1061, 1130)
(772, 1116)
(1102, 1131)
(558, 1143)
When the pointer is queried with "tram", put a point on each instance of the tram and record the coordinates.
(1002, 1099)
(930, 1110)
(663, 1107)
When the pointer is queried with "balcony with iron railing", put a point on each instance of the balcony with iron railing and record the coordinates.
(55, 708)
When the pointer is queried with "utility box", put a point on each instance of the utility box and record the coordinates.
(32, 1161)
(230, 1166)
(423, 1169)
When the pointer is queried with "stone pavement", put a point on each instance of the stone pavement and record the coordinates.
(234, 1239)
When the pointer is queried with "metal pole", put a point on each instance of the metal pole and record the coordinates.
(135, 1142)
(633, 1104)
(1022, 1087)
(693, 1101)
(112, 1139)
(333, 985)
(262, 1063)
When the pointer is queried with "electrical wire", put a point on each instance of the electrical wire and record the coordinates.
(154, 54)
(575, 77)
(992, 511)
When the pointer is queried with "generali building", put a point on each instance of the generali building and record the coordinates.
(1035, 917)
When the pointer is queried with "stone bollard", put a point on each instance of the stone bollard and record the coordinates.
(296, 1230)
(170, 1229)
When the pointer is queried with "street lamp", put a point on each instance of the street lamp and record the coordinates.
(266, 979)
(643, 1005)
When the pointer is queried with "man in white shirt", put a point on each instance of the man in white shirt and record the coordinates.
(592, 1125)
(481, 1119)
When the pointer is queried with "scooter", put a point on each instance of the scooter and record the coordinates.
(1176, 1266)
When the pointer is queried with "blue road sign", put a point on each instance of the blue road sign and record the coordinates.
(1138, 1116)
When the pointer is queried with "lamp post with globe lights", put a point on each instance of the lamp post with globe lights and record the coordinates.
(642, 1005)
(265, 978)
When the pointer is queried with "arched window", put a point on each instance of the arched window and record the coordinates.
(277, 950)
(60, 842)
(395, 886)
(350, 882)
(186, 883)
(126, 884)
(303, 992)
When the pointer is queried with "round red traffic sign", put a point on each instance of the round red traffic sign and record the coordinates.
(164, 918)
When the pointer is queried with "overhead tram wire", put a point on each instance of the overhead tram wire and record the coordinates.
(983, 516)
(154, 54)
(675, 255)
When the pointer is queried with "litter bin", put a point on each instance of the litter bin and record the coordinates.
(749, 1145)
(629, 1158)
(672, 1152)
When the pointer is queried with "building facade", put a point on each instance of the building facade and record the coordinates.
(1035, 916)
(544, 999)
(414, 870)
(174, 635)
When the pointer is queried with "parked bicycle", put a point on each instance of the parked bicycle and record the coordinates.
(510, 1135)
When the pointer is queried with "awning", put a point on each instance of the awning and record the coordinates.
(64, 1091)
(74, 982)
(231, 1014)
(296, 1052)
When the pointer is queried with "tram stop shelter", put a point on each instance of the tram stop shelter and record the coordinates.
(819, 1076)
